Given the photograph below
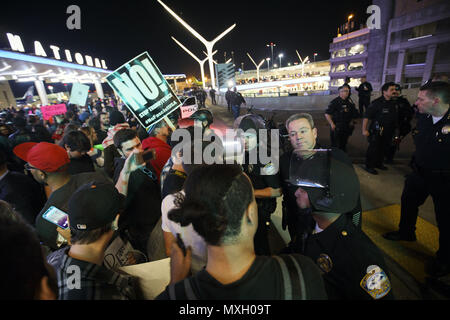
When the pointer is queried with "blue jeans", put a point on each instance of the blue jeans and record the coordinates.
(236, 110)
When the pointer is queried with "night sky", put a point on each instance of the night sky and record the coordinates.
(117, 31)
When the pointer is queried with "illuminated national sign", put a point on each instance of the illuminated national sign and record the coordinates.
(16, 44)
(144, 90)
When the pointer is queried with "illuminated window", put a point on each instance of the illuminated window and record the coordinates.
(339, 53)
(357, 49)
(337, 82)
(340, 68)
(355, 66)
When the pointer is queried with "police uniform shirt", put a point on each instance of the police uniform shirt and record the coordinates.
(342, 111)
(353, 267)
(405, 114)
(384, 111)
(364, 89)
(432, 144)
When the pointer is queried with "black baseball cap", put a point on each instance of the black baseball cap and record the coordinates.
(94, 205)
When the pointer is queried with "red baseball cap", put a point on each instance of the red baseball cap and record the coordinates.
(44, 156)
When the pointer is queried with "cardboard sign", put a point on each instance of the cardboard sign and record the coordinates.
(79, 94)
(188, 107)
(49, 111)
(144, 90)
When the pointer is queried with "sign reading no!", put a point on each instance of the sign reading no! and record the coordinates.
(144, 90)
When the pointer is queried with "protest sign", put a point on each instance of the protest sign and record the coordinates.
(79, 94)
(54, 110)
(144, 90)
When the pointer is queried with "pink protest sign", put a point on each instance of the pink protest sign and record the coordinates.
(54, 110)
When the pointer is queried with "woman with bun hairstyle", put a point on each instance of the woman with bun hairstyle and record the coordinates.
(219, 202)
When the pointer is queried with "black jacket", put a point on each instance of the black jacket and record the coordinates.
(353, 266)
(364, 89)
(342, 111)
(25, 195)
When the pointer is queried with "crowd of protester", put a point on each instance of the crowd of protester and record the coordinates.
(126, 193)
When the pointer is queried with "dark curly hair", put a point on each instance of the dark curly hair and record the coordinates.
(216, 197)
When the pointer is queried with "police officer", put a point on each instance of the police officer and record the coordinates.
(340, 114)
(364, 91)
(302, 136)
(405, 114)
(352, 265)
(431, 172)
(383, 114)
(202, 118)
(264, 177)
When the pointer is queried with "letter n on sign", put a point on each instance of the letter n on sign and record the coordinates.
(141, 85)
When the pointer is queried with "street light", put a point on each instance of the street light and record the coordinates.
(280, 56)
(271, 45)
(315, 54)
(348, 24)
(208, 44)
(200, 62)
(267, 59)
(257, 65)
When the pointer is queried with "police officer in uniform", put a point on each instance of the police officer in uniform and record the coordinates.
(264, 177)
(364, 91)
(405, 114)
(431, 172)
(340, 114)
(302, 136)
(352, 265)
(383, 113)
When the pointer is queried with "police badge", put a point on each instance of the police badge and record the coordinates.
(324, 262)
(375, 282)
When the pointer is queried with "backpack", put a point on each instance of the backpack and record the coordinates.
(293, 282)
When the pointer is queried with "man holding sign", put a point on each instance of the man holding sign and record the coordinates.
(145, 91)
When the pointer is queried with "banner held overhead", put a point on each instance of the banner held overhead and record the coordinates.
(79, 94)
(144, 90)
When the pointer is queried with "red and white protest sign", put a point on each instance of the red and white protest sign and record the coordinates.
(189, 107)
(49, 111)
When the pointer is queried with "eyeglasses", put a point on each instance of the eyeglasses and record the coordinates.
(28, 167)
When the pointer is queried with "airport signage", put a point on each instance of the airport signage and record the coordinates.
(16, 44)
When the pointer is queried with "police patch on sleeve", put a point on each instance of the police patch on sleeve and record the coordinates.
(375, 282)
(269, 169)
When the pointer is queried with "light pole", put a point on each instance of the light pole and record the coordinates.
(280, 56)
(257, 65)
(348, 22)
(271, 45)
(200, 62)
(315, 54)
(208, 44)
(302, 61)
(267, 59)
